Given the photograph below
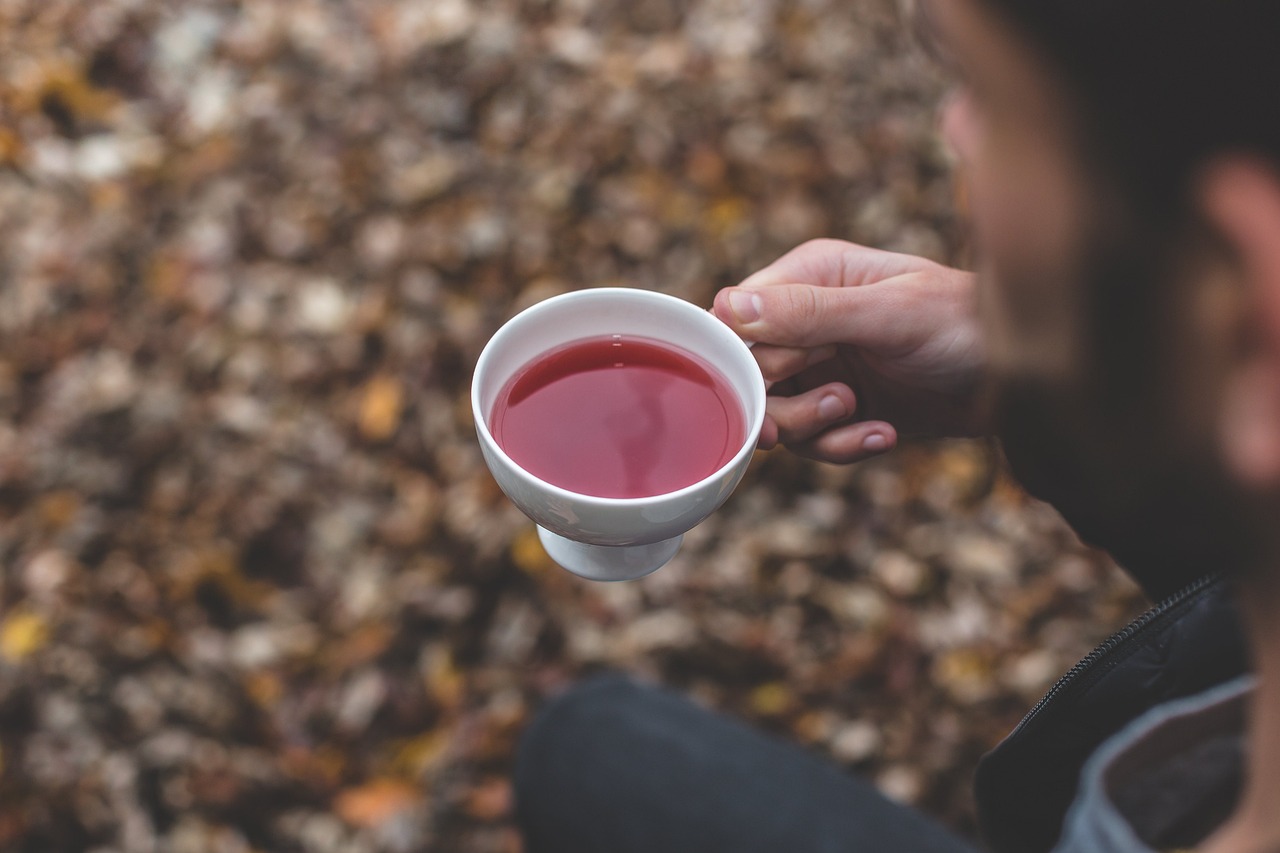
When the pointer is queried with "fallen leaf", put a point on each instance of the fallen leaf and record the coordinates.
(444, 682)
(527, 553)
(419, 756)
(772, 699)
(22, 635)
(726, 215)
(321, 767)
(67, 85)
(360, 647)
(490, 800)
(11, 146)
(265, 688)
(967, 674)
(813, 726)
(380, 408)
(58, 509)
(376, 802)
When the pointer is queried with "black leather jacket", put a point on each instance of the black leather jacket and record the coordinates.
(1190, 641)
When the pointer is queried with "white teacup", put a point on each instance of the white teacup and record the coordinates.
(614, 538)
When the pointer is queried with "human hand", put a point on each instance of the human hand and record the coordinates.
(859, 346)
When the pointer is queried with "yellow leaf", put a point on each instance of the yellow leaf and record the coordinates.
(418, 756)
(966, 673)
(528, 554)
(22, 635)
(771, 699)
(374, 803)
(444, 682)
(726, 216)
(380, 408)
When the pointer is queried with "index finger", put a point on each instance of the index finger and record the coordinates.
(835, 263)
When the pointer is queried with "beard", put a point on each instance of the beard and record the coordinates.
(1112, 445)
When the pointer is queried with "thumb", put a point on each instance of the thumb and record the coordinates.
(802, 315)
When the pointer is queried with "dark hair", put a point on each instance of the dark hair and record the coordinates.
(1163, 85)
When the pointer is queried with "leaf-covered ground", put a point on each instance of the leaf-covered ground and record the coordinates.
(259, 592)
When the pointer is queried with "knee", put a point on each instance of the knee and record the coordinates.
(571, 725)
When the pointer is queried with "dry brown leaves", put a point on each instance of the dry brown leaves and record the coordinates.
(259, 591)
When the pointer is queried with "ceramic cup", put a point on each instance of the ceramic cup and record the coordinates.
(612, 539)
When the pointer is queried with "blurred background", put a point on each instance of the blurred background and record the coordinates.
(259, 591)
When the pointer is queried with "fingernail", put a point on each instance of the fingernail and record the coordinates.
(746, 306)
(830, 408)
(875, 443)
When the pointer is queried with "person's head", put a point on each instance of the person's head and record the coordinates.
(1124, 164)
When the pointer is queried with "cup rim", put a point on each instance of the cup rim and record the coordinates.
(717, 326)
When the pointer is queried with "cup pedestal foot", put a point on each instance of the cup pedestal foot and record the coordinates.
(608, 562)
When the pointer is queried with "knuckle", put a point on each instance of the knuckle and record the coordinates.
(780, 364)
(774, 372)
(821, 245)
(803, 309)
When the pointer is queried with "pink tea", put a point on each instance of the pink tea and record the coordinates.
(619, 417)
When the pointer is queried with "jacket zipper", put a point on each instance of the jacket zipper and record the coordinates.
(1115, 641)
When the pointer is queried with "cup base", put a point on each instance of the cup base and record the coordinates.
(608, 562)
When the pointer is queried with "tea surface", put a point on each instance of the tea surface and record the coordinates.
(619, 417)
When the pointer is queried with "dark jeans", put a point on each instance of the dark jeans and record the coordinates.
(616, 767)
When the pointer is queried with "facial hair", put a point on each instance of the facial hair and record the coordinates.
(1108, 443)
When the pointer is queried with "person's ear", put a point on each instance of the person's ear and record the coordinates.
(1241, 201)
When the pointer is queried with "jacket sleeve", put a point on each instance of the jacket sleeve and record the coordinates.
(1185, 645)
